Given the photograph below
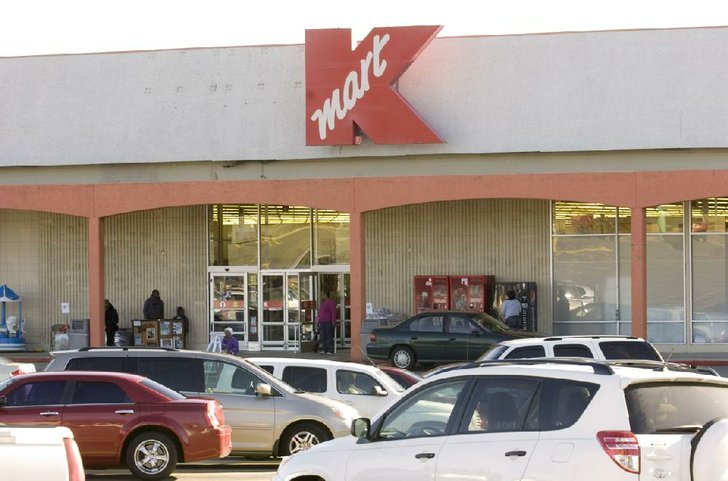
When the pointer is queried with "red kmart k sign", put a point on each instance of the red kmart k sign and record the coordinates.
(345, 88)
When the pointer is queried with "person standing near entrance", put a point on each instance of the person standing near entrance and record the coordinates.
(230, 344)
(181, 316)
(325, 321)
(511, 310)
(111, 321)
(154, 306)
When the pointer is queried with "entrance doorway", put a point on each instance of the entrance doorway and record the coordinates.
(233, 303)
(284, 301)
(337, 284)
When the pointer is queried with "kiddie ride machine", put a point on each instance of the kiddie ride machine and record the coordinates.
(11, 328)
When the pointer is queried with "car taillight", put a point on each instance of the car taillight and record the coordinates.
(623, 448)
(372, 338)
(214, 414)
(73, 456)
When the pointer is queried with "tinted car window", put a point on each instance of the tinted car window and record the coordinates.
(459, 325)
(572, 350)
(562, 403)
(98, 392)
(268, 369)
(37, 394)
(106, 364)
(164, 390)
(350, 382)
(178, 373)
(309, 379)
(225, 378)
(499, 405)
(526, 352)
(629, 350)
(427, 324)
(424, 414)
(655, 408)
(494, 352)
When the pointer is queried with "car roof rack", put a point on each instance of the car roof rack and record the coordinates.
(586, 336)
(598, 366)
(125, 348)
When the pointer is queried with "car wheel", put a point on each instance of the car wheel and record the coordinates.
(403, 357)
(151, 456)
(301, 437)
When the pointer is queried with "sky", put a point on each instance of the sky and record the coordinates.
(40, 27)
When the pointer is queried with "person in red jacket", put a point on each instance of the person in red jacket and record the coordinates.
(325, 321)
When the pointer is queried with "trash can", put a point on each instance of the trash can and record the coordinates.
(59, 337)
(78, 334)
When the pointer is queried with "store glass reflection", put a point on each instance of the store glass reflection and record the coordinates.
(592, 270)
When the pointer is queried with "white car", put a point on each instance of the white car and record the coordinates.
(9, 368)
(537, 420)
(367, 388)
(47, 453)
(595, 347)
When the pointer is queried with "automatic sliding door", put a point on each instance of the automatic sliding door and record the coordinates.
(228, 305)
(272, 310)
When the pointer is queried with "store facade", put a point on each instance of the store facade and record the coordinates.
(592, 164)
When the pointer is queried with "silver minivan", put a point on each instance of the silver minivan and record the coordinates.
(268, 417)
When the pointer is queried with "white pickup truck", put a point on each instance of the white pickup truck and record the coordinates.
(44, 453)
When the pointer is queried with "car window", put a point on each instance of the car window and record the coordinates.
(225, 378)
(309, 379)
(105, 364)
(572, 350)
(98, 392)
(267, 368)
(665, 408)
(499, 405)
(37, 394)
(178, 373)
(359, 383)
(426, 413)
(161, 389)
(427, 324)
(495, 352)
(459, 325)
(629, 350)
(526, 352)
(561, 403)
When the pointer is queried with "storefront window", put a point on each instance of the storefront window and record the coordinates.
(710, 286)
(665, 288)
(665, 218)
(580, 218)
(285, 237)
(234, 235)
(331, 233)
(709, 215)
(585, 269)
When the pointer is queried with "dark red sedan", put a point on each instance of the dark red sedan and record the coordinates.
(119, 419)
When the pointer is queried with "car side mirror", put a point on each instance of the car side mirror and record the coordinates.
(263, 389)
(379, 391)
(360, 428)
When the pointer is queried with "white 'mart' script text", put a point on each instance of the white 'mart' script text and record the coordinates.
(354, 88)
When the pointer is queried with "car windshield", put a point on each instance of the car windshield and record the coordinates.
(674, 407)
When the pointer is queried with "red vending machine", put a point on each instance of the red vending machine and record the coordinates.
(471, 293)
(431, 293)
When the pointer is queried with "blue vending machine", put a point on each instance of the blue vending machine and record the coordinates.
(11, 326)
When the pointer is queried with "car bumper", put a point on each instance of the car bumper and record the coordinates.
(210, 444)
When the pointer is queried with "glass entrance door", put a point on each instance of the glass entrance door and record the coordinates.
(338, 286)
(281, 308)
(228, 305)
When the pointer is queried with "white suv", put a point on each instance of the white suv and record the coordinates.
(595, 347)
(540, 420)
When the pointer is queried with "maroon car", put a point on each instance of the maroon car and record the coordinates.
(119, 419)
(403, 377)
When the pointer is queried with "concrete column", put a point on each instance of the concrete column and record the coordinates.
(97, 335)
(358, 282)
(639, 272)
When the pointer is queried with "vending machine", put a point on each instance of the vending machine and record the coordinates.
(431, 293)
(526, 295)
(471, 293)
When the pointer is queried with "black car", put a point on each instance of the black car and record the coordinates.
(439, 336)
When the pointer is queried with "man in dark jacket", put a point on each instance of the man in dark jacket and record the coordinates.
(111, 318)
(154, 306)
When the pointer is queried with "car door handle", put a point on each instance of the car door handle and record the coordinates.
(124, 411)
(424, 455)
(49, 413)
(516, 453)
